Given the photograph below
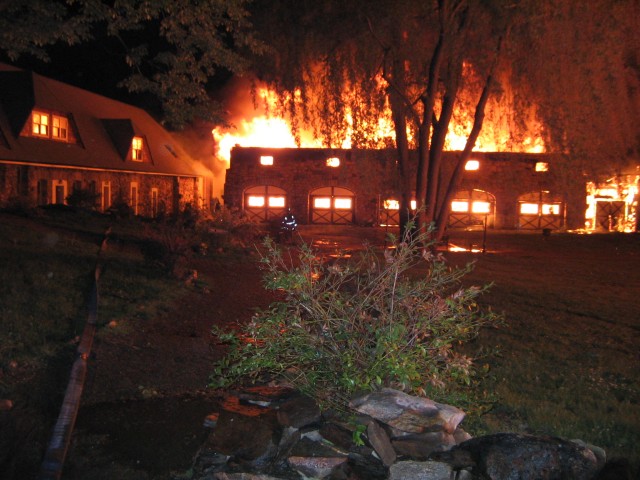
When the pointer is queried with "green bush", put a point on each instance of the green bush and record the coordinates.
(351, 325)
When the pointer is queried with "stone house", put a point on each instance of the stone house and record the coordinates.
(349, 186)
(57, 140)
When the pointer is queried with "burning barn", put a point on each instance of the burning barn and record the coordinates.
(351, 186)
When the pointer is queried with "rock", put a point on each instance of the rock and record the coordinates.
(600, 454)
(245, 439)
(380, 442)
(410, 470)
(298, 411)
(506, 456)
(208, 462)
(460, 435)
(290, 437)
(316, 459)
(420, 446)
(365, 465)
(339, 435)
(306, 447)
(408, 413)
(316, 467)
(242, 476)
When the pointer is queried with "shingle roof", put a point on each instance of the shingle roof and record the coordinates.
(105, 128)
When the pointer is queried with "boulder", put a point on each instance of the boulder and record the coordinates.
(513, 456)
(408, 413)
(298, 411)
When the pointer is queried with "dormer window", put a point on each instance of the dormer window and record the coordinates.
(40, 124)
(137, 145)
(59, 127)
(50, 125)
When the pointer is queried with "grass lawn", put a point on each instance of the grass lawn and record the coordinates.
(569, 359)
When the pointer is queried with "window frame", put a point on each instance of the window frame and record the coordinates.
(38, 126)
(137, 154)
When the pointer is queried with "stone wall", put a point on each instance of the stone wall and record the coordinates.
(20, 184)
(372, 177)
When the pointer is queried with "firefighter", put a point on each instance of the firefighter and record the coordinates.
(288, 226)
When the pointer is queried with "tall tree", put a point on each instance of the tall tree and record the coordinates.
(430, 65)
(172, 47)
(413, 59)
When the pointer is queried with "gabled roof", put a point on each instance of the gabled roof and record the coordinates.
(104, 127)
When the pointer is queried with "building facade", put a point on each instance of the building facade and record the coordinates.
(59, 144)
(340, 186)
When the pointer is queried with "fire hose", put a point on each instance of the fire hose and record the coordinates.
(61, 437)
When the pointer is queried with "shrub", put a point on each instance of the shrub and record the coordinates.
(238, 229)
(168, 244)
(83, 198)
(351, 325)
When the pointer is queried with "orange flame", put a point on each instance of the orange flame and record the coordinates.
(256, 127)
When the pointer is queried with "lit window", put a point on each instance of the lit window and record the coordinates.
(322, 202)
(255, 201)
(266, 160)
(343, 203)
(391, 205)
(59, 127)
(550, 209)
(333, 162)
(529, 208)
(276, 201)
(395, 204)
(481, 207)
(608, 193)
(459, 206)
(136, 149)
(542, 167)
(472, 165)
(40, 125)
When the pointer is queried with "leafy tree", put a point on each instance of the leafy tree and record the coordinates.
(431, 64)
(173, 47)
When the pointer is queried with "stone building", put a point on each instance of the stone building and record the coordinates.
(57, 141)
(338, 186)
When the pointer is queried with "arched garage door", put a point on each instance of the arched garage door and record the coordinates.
(264, 203)
(540, 210)
(332, 205)
(472, 208)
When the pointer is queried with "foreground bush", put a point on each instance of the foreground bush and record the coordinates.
(353, 325)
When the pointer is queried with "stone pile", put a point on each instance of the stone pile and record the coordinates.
(276, 433)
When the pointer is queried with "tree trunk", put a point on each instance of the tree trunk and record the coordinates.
(442, 217)
(428, 102)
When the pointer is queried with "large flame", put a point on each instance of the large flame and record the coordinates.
(254, 125)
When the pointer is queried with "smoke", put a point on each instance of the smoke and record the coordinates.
(197, 141)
